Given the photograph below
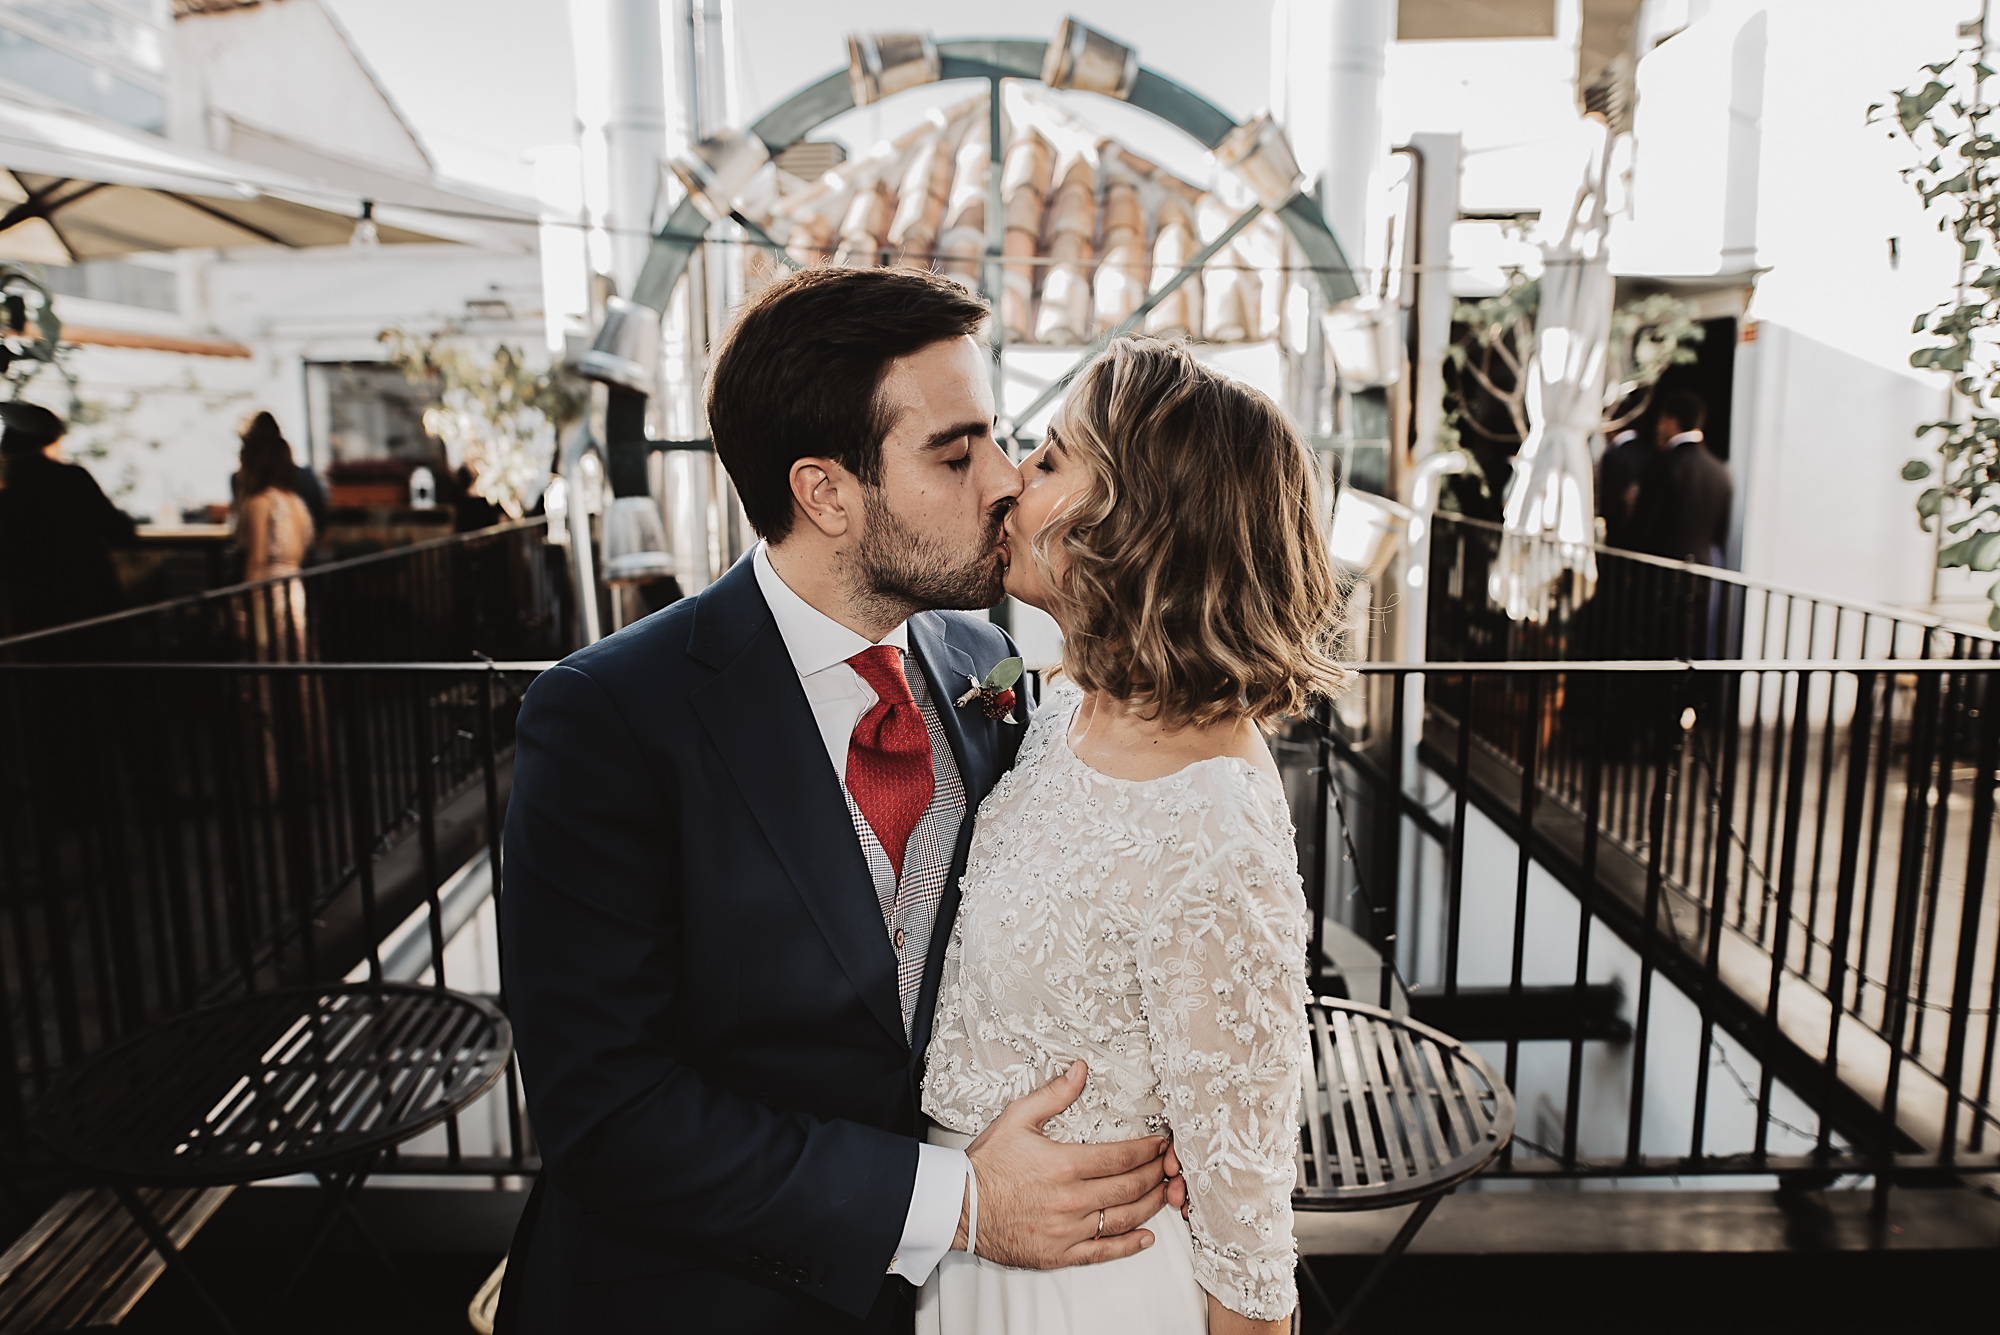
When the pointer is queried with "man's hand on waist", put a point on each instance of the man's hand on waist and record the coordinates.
(1044, 1205)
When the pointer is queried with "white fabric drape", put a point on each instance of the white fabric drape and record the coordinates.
(1549, 518)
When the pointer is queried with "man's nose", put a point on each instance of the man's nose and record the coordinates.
(1006, 483)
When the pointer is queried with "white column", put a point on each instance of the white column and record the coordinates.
(1359, 33)
(635, 130)
(1440, 157)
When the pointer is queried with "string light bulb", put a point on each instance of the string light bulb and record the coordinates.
(366, 235)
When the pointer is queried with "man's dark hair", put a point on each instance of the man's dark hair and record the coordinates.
(30, 428)
(799, 375)
(1685, 408)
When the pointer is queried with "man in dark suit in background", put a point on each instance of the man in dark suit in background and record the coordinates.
(1618, 476)
(732, 861)
(1685, 495)
(57, 529)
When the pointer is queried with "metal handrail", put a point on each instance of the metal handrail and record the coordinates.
(1722, 575)
(311, 573)
(1747, 844)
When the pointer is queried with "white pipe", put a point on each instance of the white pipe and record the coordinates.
(635, 130)
(1361, 31)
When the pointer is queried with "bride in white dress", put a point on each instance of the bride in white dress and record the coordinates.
(1132, 897)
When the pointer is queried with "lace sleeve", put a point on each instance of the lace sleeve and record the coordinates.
(1222, 970)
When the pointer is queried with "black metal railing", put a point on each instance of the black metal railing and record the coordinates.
(1712, 919)
(1644, 607)
(175, 834)
(498, 593)
(1776, 950)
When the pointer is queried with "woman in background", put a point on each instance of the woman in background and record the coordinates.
(273, 525)
(275, 530)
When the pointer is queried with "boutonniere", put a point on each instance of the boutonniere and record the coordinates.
(996, 694)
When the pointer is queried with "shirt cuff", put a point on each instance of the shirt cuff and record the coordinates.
(936, 1202)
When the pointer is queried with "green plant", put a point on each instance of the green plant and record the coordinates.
(30, 335)
(30, 332)
(1947, 131)
(498, 416)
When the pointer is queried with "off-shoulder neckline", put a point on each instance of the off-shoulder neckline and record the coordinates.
(1062, 726)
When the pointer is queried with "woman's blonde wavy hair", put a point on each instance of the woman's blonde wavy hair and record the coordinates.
(1194, 580)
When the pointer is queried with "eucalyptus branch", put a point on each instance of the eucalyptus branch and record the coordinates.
(1486, 383)
(1481, 429)
(1648, 336)
(1948, 136)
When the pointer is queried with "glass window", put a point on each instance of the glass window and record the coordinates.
(96, 31)
(86, 87)
(359, 411)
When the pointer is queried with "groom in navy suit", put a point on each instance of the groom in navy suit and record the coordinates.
(732, 863)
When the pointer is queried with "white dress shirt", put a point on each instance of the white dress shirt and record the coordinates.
(820, 647)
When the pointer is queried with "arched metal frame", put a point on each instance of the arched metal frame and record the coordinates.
(995, 60)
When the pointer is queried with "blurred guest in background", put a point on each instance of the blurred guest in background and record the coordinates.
(1618, 474)
(57, 528)
(305, 483)
(1685, 495)
(469, 510)
(274, 526)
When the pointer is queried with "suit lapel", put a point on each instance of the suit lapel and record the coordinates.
(946, 668)
(756, 713)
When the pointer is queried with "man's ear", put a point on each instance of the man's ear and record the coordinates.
(826, 494)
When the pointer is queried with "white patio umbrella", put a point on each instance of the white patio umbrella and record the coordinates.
(72, 189)
(1549, 521)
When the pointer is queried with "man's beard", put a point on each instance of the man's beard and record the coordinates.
(904, 570)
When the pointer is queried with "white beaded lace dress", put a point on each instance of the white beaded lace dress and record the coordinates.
(1156, 929)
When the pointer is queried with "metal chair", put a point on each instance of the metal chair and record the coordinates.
(319, 1080)
(635, 549)
(1396, 1113)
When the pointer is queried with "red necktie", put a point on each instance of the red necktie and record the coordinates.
(889, 756)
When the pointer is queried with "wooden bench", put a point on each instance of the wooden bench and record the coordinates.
(85, 1265)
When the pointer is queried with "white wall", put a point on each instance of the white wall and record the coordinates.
(164, 434)
(1753, 154)
(1513, 101)
(320, 94)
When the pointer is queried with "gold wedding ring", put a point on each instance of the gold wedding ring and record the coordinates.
(1100, 1224)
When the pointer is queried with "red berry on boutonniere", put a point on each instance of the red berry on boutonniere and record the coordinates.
(996, 694)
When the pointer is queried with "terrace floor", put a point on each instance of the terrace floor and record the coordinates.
(1541, 1261)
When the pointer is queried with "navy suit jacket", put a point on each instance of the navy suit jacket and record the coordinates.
(702, 990)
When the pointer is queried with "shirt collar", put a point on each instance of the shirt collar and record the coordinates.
(1684, 438)
(815, 640)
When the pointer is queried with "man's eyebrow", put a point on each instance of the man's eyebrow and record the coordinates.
(958, 431)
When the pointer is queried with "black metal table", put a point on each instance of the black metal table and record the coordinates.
(1396, 1113)
(309, 1080)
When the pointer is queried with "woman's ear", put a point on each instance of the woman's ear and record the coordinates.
(822, 490)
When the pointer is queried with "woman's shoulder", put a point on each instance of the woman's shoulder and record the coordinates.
(1230, 801)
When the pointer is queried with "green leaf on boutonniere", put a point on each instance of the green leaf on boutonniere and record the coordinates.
(1004, 674)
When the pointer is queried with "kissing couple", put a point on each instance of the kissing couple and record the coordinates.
(854, 989)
